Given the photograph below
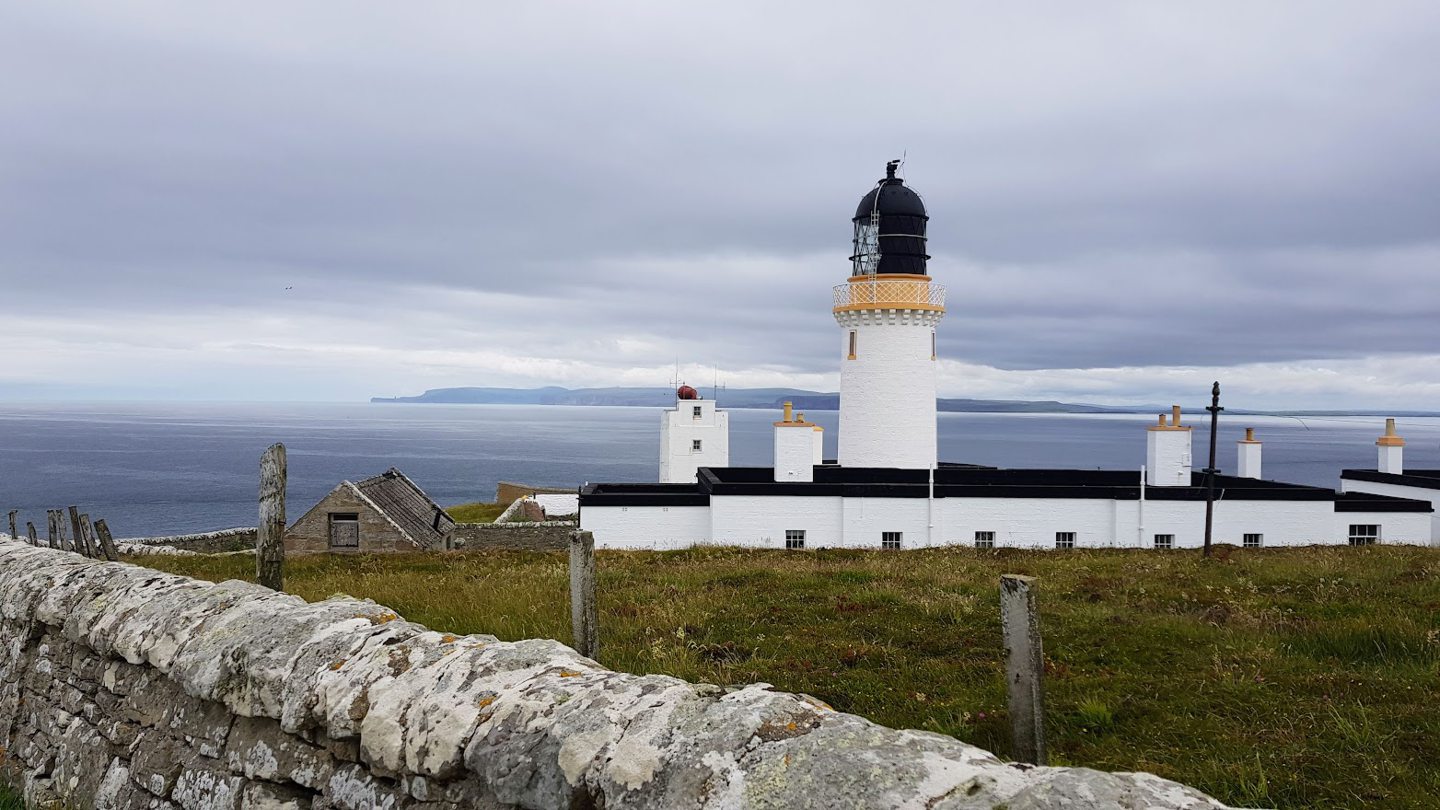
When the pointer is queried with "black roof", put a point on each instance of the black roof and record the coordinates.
(968, 481)
(899, 217)
(891, 197)
(1424, 479)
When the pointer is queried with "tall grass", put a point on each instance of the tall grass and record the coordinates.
(1282, 677)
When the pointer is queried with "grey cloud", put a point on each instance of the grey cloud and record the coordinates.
(1109, 185)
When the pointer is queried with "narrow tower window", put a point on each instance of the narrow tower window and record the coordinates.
(697, 412)
(932, 344)
(852, 344)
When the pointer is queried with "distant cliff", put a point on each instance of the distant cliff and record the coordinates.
(727, 398)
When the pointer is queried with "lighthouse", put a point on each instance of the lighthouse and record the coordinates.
(887, 311)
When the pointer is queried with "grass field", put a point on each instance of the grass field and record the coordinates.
(476, 512)
(1290, 678)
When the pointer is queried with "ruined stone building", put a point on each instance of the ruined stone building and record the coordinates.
(388, 512)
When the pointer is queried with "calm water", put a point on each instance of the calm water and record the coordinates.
(164, 469)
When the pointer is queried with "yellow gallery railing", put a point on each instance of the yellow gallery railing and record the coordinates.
(889, 294)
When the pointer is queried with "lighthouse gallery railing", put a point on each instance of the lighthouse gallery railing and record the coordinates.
(889, 294)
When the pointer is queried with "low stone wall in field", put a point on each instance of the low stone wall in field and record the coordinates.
(122, 687)
(552, 535)
(240, 539)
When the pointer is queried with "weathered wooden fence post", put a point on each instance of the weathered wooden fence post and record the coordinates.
(270, 540)
(1024, 667)
(30, 531)
(584, 613)
(92, 539)
(52, 528)
(106, 541)
(77, 530)
(13, 534)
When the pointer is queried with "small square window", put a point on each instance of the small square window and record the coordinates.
(794, 539)
(697, 411)
(890, 540)
(695, 445)
(1253, 540)
(1364, 534)
(1064, 539)
(1164, 541)
(984, 539)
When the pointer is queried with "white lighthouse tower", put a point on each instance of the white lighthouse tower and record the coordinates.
(887, 311)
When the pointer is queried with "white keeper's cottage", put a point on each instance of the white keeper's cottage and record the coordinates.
(888, 490)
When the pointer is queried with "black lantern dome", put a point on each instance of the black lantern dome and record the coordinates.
(890, 229)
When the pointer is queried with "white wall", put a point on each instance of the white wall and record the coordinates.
(1247, 460)
(1167, 457)
(760, 521)
(887, 393)
(794, 452)
(1432, 496)
(647, 527)
(1396, 528)
(679, 427)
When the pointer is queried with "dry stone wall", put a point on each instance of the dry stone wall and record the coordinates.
(122, 687)
(217, 542)
(551, 535)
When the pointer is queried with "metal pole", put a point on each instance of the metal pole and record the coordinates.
(1210, 471)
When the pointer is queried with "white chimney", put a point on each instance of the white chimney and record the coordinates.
(1247, 463)
(794, 448)
(1167, 453)
(1392, 450)
(819, 439)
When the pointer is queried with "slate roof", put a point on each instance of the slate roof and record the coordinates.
(408, 507)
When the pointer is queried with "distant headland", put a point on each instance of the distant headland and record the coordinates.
(664, 397)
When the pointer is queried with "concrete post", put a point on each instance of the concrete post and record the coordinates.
(270, 539)
(584, 613)
(1024, 667)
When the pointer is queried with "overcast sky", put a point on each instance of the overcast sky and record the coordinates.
(334, 200)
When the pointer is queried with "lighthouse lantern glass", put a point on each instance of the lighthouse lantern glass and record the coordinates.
(867, 246)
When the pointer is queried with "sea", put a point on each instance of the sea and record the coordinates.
(160, 469)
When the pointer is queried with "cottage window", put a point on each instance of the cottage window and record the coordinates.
(344, 530)
(984, 539)
(890, 540)
(695, 445)
(1164, 541)
(1364, 534)
(794, 539)
(1253, 540)
(696, 411)
(1064, 539)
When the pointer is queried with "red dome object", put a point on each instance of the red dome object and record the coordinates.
(686, 392)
